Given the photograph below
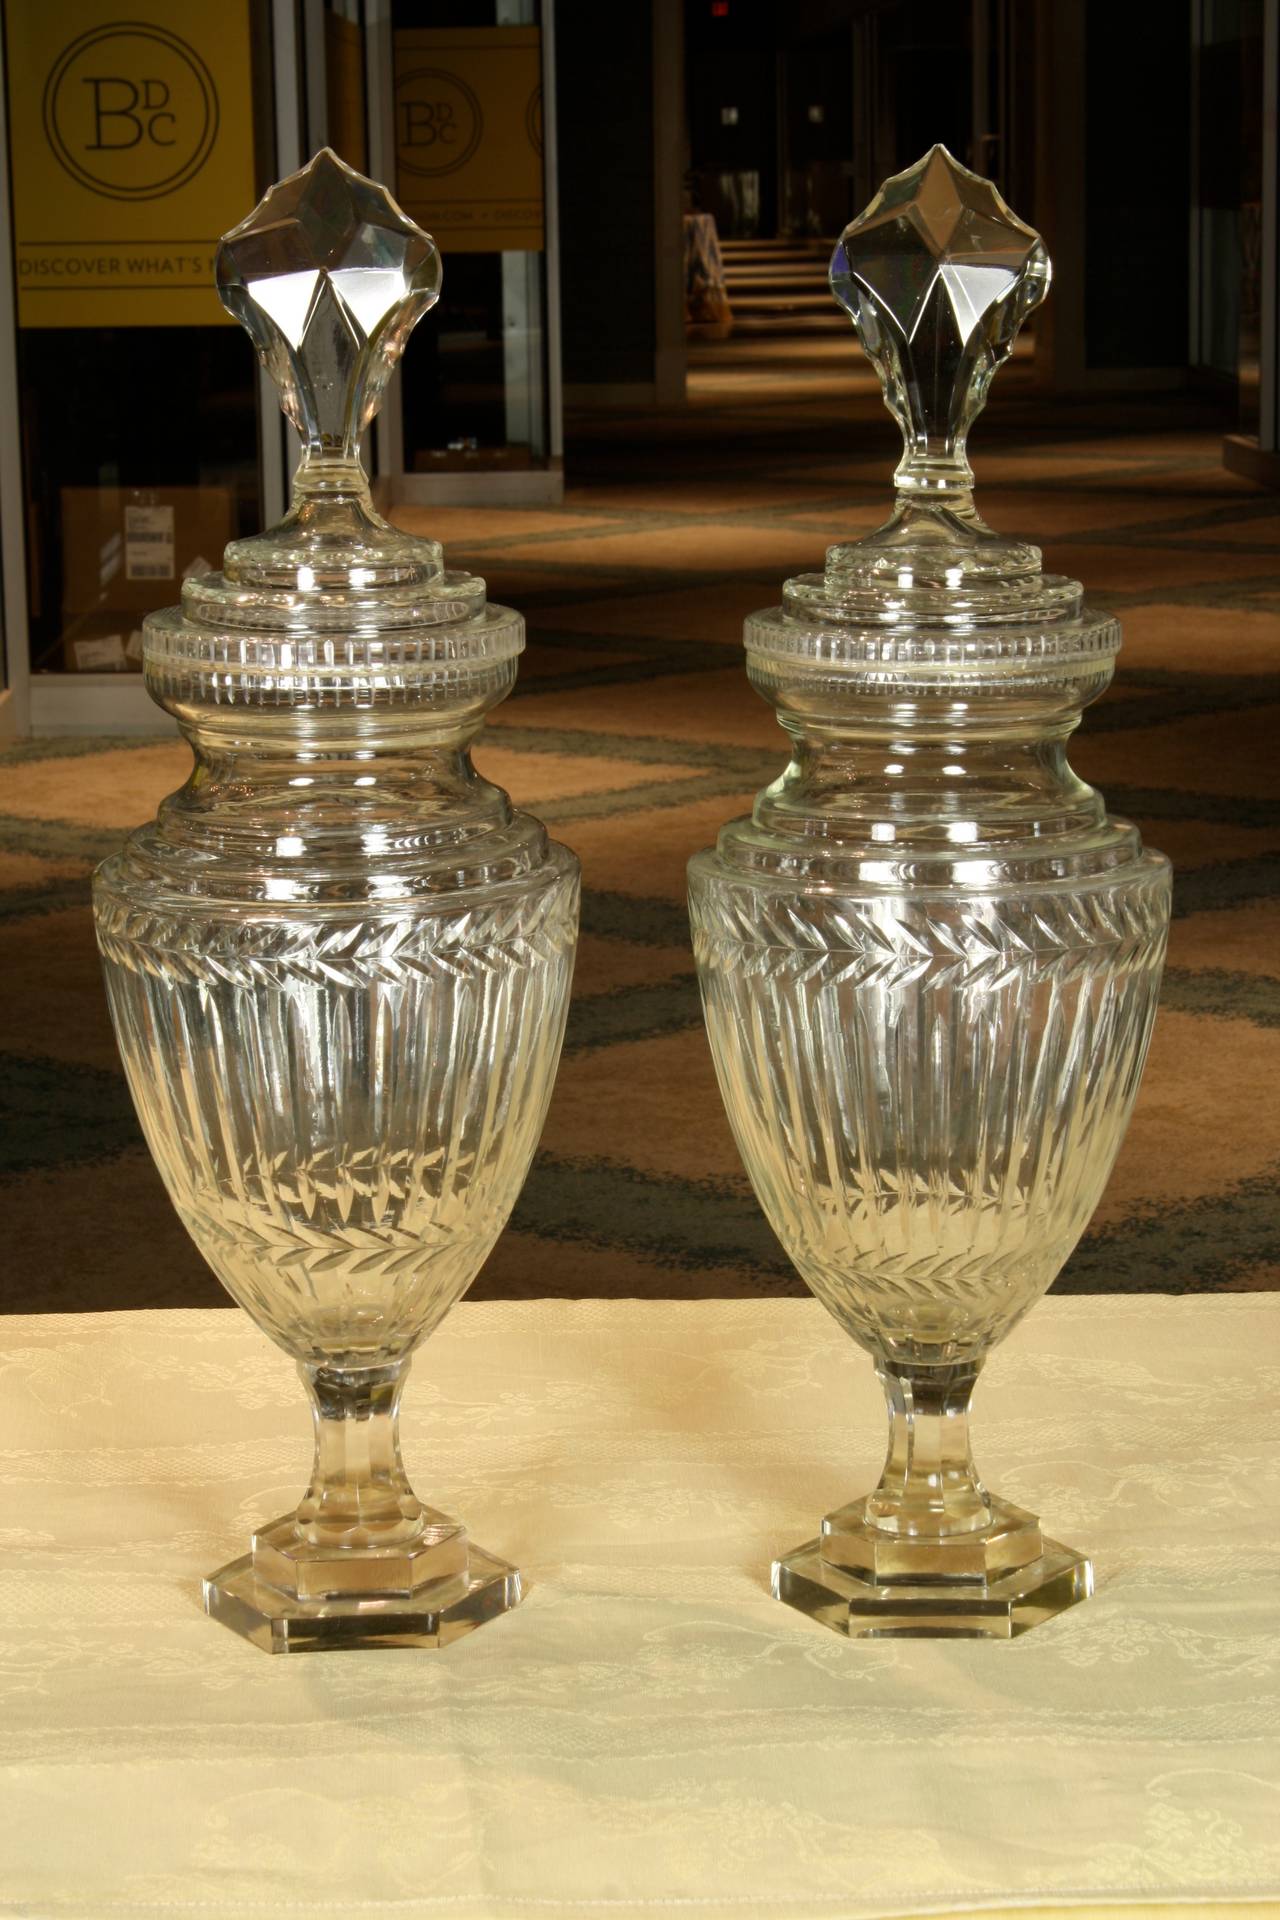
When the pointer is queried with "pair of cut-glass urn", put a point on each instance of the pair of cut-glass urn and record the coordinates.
(339, 961)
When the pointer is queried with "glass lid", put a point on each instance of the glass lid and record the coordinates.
(937, 276)
(333, 606)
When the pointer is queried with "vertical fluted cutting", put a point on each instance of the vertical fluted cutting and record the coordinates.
(928, 1095)
(344, 1110)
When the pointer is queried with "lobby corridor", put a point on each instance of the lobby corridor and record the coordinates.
(634, 734)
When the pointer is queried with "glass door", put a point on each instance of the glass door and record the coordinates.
(469, 121)
(1227, 220)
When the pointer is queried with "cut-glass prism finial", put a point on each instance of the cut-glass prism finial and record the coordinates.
(329, 278)
(937, 276)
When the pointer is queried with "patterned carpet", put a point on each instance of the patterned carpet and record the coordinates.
(634, 732)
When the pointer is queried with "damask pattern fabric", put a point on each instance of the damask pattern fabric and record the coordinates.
(649, 1731)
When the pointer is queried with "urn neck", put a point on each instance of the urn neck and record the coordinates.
(949, 780)
(346, 809)
(332, 784)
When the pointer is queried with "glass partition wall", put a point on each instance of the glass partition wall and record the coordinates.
(1235, 336)
(135, 435)
(1228, 118)
(131, 418)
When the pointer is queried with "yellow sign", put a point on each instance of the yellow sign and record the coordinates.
(132, 145)
(469, 136)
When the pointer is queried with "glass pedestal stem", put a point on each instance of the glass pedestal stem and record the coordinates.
(930, 1486)
(362, 1562)
(359, 1493)
(930, 1551)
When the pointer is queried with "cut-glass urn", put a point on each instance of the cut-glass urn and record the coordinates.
(929, 960)
(338, 962)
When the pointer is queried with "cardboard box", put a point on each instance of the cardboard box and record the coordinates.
(102, 642)
(127, 551)
(513, 459)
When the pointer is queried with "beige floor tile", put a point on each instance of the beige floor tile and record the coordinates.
(652, 1104)
(121, 788)
(1205, 753)
(1192, 1134)
(1178, 639)
(53, 1003)
(718, 707)
(1236, 940)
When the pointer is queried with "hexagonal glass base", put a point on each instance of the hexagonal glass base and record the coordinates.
(853, 1543)
(431, 1615)
(358, 1561)
(995, 1608)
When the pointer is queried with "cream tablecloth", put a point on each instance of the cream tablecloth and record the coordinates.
(650, 1730)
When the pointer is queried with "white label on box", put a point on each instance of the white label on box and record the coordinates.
(99, 656)
(109, 560)
(133, 645)
(148, 543)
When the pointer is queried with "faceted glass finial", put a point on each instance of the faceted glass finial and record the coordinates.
(937, 276)
(329, 278)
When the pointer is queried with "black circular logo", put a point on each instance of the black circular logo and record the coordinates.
(438, 122)
(131, 111)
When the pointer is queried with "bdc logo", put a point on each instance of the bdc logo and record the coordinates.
(438, 121)
(131, 111)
